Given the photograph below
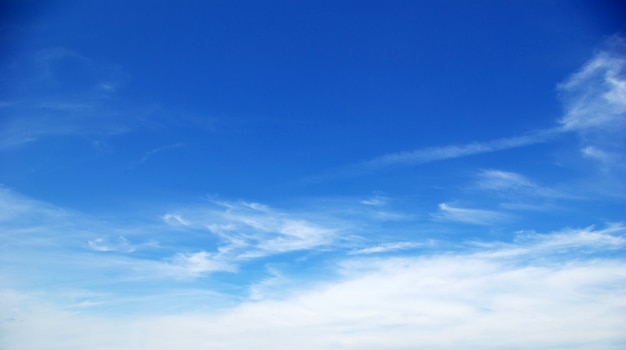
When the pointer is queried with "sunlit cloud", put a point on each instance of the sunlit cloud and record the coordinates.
(541, 296)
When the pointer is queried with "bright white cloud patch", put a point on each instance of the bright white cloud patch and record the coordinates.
(554, 292)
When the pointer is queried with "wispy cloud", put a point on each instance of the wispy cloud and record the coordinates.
(469, 216)
(251, 230)
(16, 209)
(376, 200)
(432, 154)
(595, 96)
(595, 103)
(104, 245)
(50, 99)
(175, 219)
(387, 247)
(511, 184)
(118, 244)
(185, 265)
(527, 245)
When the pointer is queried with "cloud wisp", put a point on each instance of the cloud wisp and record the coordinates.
(387, 248)
(511, 184)
(595, 96)
(432, 154)
(595, 105)
(448, 212)
(251, 230)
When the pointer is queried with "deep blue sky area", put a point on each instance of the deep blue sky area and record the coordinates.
(292, 88)
(312, 174)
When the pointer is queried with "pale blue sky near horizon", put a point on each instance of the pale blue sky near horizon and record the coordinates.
(312, 174)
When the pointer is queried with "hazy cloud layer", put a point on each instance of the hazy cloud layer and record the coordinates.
(543, 291)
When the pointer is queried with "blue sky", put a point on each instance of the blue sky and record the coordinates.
(312, 175)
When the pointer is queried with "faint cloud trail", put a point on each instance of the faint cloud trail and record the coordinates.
(433, 154)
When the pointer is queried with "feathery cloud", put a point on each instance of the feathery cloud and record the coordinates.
(595, 96)
(595, 103)
(387, 247)
(432, 154)
(510, 184)
(250, 230)
(469, 216)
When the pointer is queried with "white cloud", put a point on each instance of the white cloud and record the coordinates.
(118, 244)
(431, 154)
(469, 216)
(16, 208)
(175, 219)
(480, 299)
(251, 230)
(195, 264)
(503, 180)
(595, 96)
(514, 185)
(104, 245)
(595, 103)
(376, 200)
(609, 159)
(387, 247)
(529, 244)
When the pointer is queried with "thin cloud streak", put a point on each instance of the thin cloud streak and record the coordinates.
(386, 248)
(468, 216)
(513, 185)
(432, 154)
